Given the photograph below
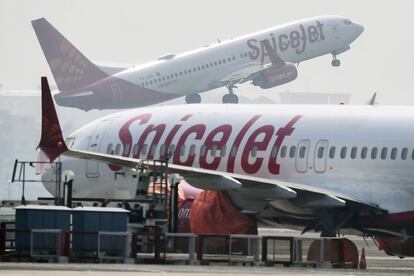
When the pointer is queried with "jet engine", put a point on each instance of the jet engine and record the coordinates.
(396, 246)
(276, 76)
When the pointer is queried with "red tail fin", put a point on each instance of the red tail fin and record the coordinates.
(51, 142)
(71, 69)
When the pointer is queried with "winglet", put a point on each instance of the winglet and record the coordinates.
(372, 101)
(51, 141)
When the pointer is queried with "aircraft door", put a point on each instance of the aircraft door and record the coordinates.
(320, 155)
(95, 145)
(301, 162)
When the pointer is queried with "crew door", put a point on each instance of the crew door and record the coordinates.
(95, 145)
(321, 152)
(301, 162)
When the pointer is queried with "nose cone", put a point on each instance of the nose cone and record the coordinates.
(358, 29)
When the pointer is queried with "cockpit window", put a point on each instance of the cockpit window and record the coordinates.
(347, 22)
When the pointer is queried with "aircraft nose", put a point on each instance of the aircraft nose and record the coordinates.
(359, 29)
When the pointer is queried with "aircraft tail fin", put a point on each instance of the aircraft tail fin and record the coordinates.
(51, 142)
(70, 68)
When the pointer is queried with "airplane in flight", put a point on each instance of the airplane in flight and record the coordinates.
(293, 165)
(266, 58)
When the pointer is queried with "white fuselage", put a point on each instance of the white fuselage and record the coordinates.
(363, 152)
(215, 65)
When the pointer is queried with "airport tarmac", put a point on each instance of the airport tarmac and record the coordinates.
(384, 266)
(378, 263)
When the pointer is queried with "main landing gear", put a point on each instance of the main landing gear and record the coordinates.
(335, 62)
(193, 99)
(230, 98)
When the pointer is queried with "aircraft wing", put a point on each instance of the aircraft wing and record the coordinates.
(250, 71)
(268, 189)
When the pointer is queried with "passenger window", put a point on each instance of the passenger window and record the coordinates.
(283, 152)
(320, 152)
(404, 153)
(332, 152)
(219, 62)
(384, 153)
(253, 153)
(109, 149)
(153, 149)
(182, 150)
(118, 149)
(302, 151)
(364, 152)
(273, 154)
(213, 150)
(162, 149)
(234, 58)
(353, 152)
(343, 152)
(233, 151)
(202, 66)
(203, 150)
(144, 149)
(223, 151)
(181, 73)
(126, 150)
(224, 60)
(171, 150)
(192, 150)
(215, 63)
(292, 151)
(374, 152)
(394, 153)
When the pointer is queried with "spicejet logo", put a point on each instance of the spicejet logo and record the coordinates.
(218, 138)
(296, 39)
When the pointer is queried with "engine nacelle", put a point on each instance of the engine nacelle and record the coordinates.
(396, 246)
(276, 76)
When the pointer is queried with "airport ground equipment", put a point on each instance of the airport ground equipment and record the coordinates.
(42, 231)
(100, 232)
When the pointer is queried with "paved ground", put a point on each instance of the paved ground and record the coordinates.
(390, 267)
(378, 264)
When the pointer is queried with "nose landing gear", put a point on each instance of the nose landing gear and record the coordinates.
(335, 62)
(230, 98)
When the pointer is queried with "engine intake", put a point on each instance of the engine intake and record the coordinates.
(276, 76)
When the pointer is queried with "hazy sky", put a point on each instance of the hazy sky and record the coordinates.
(139, 31)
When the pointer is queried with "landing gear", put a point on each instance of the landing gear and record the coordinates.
(231, 98)
(335, 62)
(193, 99)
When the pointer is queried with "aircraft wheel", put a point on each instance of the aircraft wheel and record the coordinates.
(193, 99)
(230, 98)
(336, 63)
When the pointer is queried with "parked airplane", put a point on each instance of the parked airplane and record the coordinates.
(266, 58)
(292, 165)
